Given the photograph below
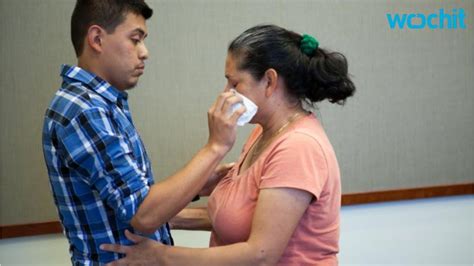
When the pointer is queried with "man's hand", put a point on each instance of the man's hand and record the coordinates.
(218, 174)
(144, 252)
(222, 123)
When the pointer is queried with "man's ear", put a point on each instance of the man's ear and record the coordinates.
(95, 35)
(271, 77)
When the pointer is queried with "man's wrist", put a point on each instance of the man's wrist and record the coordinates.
(218, 150)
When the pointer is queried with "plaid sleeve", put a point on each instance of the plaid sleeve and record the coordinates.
(103, 158)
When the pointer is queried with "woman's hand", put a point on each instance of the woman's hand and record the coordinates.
(218, 174)
(222, 123)
(144, 252)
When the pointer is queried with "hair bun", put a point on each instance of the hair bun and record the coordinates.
(308, 44)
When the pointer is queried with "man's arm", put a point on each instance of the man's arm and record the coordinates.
(197, 218)
(214, 179)
(166, 198)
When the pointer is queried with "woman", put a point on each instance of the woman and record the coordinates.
(279, 204)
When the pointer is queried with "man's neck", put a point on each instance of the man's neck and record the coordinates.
(86, 65)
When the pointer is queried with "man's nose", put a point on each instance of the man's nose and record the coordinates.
(143, 52)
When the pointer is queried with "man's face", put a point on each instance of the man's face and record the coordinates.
(124, 53)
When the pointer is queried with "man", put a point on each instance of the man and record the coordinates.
(99, 171)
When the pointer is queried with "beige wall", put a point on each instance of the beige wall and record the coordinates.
(410, 124)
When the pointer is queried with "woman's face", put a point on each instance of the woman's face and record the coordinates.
(242, 81)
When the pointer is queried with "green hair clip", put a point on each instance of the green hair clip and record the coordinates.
(308, 44)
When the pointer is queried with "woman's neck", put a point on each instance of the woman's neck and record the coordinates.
(280, 119)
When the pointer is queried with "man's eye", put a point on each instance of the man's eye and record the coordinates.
(135, 41)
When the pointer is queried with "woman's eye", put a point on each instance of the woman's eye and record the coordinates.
(135, 41)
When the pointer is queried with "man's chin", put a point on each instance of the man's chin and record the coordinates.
(131, 85)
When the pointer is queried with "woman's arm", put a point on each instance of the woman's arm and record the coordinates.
(277, 214)
(192, 219)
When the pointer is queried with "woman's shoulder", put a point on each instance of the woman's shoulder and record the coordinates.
(307, 135)
(308, 129)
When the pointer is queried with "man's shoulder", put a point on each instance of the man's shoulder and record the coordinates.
(73, 99)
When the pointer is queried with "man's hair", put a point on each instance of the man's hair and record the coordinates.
(106, 13)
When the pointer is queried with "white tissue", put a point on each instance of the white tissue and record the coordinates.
(249, 105)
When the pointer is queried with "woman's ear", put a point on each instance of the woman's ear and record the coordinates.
(95, 35)
(271, 78)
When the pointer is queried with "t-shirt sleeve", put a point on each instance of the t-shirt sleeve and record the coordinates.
(102, 157)
(297, 162)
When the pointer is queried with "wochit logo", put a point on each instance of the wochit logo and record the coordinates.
(438, 20)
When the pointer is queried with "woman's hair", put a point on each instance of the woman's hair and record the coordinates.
(312, 78)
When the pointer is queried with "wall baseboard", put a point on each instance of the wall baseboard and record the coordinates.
(18, 230)
(407, 194)
(54, 227)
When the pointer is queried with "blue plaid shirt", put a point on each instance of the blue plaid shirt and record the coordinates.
(98, 167)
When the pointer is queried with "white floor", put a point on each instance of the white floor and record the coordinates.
(437, 231)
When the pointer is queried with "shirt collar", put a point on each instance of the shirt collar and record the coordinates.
(94, 82)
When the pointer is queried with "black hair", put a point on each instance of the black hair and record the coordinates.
(105, 13)
(311, 78)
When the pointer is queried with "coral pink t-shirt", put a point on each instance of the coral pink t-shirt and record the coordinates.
(301, 158)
